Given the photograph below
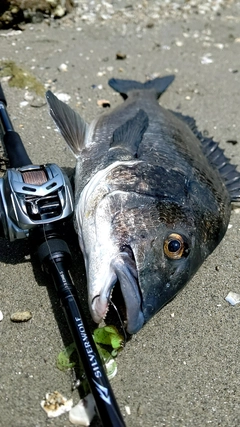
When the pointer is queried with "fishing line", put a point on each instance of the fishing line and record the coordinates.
(120, 320)
(119, 317)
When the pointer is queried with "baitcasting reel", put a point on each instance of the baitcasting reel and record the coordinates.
(31, 196)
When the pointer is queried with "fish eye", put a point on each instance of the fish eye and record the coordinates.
(175, 246)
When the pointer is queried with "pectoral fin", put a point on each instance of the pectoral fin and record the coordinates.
(130, 134)
(72, 127)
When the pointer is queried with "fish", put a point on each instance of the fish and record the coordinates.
(152, 198)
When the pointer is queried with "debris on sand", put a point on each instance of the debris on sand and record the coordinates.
(55, 404)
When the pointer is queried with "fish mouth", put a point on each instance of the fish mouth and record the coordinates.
(124, 274)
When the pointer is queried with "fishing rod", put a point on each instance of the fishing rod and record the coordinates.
(36, 201)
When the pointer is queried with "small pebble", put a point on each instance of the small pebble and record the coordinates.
(103, 103)
(120, 55)
(21, 316)
(63, 67)
(179, 43)
(219, 45)
(101, 73)
(1, 316)
(150, 24)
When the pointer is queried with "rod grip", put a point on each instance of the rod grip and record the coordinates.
(15, 149)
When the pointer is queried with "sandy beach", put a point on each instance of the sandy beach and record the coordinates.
(182, 368)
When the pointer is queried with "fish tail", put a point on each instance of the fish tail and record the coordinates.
(158, 85)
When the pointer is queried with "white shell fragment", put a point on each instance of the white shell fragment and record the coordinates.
(111, 368)
(28, 96)
(64, 97)
(128, 410)
(233, 298)
(206, 59)
(21, 316)
(23, 104)
(1, 316)
(83, 413)
(55, 404)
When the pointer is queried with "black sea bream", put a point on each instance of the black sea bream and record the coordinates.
(153, 198)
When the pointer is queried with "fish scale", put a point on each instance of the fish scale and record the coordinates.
(153, 198)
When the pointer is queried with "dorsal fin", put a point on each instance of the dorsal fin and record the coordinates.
(129, 135)
(158, 85)
(217, 158)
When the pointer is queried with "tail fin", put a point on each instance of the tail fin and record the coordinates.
(158, 85)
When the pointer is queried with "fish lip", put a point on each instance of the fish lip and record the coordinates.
(126, 274)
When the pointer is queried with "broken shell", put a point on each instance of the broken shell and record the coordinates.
(1, 316)
(111, 368)
(23, 104)
(128, 410)
(55, 404)
(21, 316)
(28, 96)
(103, 103)
(206, 59)
(83, 413)
(233, 298)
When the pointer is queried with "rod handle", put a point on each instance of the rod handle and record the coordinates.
(17, 154)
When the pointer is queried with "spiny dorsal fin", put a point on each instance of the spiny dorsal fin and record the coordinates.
(72, 127)
(129, 135)
(158, 85)
(228, 172)
(217, 158)
(190, 121)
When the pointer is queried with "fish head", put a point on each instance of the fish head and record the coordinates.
(151, 250)
(148, 248)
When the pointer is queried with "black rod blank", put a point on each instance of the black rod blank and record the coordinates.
(13, 144)
(54, 255)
